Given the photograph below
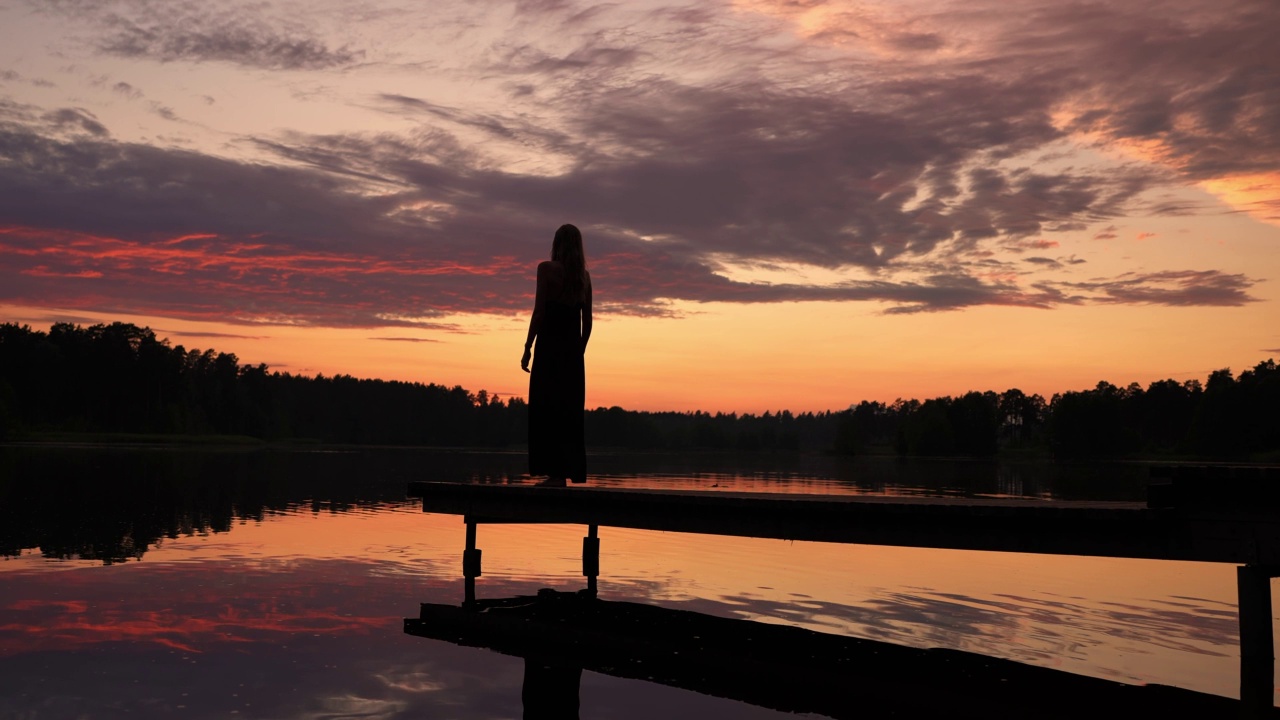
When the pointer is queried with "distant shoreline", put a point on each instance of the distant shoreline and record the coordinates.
(245, 442)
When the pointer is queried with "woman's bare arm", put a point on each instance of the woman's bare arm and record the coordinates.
(586, 316)
(539, 311)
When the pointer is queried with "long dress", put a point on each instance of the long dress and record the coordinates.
(557, 394)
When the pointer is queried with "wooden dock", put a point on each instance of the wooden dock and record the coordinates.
(1240, 536)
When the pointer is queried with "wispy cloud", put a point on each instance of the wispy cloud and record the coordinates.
(256, 47)
(1177, 288)
(56, 317)
(183, 31)
(76, 119)
(206, 334)
(127, 90)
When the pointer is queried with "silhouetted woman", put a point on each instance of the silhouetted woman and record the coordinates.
(561, 324)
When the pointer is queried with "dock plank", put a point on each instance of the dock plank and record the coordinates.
(1089, 528)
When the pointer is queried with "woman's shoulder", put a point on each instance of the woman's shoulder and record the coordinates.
(551, 272)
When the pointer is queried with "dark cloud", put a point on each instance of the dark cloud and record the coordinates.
(193, 334)
(768, 175)
(1025, 244)
(1199, 81)
(528, 60)
(912, 179)
(12, 76)
(1054, 263)
(165, 112)
(406, 339)
(506, 128)
(1178, 288)
(953, 292)
(195, 236)
(232, 43)
(56, 317)
(76, 119)
(916, 41)
(127, 90)
(188, 235)
(184, 31)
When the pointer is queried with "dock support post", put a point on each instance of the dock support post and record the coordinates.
(1257, 650)
(591, 558)
(470, 565)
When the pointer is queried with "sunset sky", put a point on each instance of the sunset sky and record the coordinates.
(786, 203)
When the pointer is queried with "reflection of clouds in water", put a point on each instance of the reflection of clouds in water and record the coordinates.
(1040, 630)
(354, 706)
(407, 562)
(413, 681)
(1194, 601)
(1215, 627)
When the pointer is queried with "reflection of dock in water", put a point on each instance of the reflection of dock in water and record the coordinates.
(780, 667)
(1194, 517)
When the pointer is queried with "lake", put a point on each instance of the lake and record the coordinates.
(159, 581)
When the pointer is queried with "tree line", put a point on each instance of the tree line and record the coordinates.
(121, 378)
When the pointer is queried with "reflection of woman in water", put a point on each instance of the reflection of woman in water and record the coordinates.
(561, 324)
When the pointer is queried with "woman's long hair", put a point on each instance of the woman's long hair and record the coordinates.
(566, 249)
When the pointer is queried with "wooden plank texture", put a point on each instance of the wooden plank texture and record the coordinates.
(1103, 529)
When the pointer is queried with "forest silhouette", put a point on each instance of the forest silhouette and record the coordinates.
(121, 378)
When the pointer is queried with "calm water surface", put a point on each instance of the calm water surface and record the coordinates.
(266, 584)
